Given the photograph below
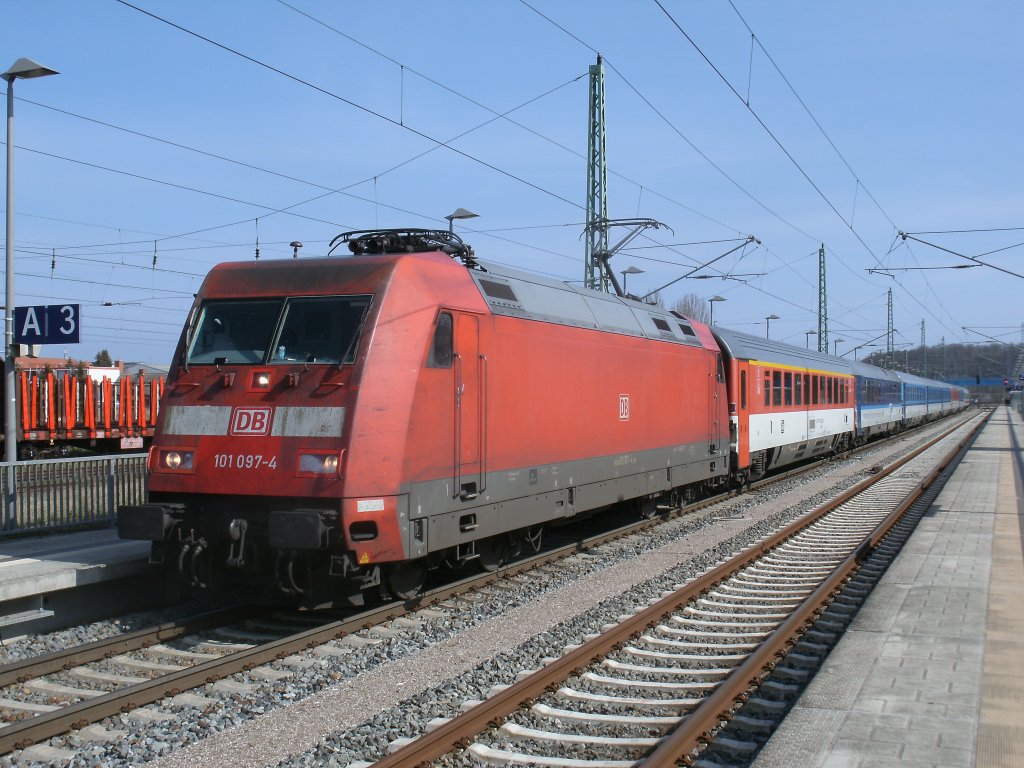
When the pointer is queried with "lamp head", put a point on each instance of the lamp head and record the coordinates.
(25, 69)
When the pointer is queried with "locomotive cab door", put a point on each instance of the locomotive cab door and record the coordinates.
(470, 371)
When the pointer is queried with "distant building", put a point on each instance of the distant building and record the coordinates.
(94, 372)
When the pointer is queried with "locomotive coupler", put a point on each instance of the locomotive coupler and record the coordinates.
(284, 574)
(188, 561)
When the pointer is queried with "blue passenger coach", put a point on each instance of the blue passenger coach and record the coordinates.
(879, 397)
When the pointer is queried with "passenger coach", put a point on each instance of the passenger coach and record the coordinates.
(787, 404)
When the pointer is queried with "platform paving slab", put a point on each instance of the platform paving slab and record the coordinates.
(931, 670)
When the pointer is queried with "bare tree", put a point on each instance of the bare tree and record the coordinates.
(656, 300)
(693, 306)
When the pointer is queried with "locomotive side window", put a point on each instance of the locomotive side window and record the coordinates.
(441, 348)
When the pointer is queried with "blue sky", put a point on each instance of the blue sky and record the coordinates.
(152, 140)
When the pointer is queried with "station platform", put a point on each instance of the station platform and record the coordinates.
(52, 581)
(931, 670)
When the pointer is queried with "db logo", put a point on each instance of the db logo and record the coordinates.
(250, 421)
(623, 407)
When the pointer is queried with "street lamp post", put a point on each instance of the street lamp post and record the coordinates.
(835, 346)
(629, 271)
(459, 213)
(712, 301)
(768, 325)
(807, 338)
(25, 69)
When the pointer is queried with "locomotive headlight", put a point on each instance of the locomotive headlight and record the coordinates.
(319, 463)
(176, 459)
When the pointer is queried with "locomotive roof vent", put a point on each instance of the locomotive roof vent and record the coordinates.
(381, 241)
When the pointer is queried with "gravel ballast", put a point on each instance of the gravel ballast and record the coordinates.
(345, 703)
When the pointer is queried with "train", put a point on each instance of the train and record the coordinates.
(333, 429)
(62, 411)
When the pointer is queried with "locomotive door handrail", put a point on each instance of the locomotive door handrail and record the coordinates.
(469, 367)
(457, 458)
(482, 411)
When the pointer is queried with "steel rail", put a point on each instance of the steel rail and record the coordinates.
(57, 661)
(697, 729)
(24, 733)
(456, 732)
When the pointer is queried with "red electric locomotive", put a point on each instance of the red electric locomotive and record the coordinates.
(335, 425)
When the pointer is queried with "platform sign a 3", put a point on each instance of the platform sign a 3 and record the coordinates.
(47, 324)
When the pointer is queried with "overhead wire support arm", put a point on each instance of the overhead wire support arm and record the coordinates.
(977, 261)
(888, 270)
(750, 239)
(603, 257)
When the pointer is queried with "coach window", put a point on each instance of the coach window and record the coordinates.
(812, 395)
(788, 387)
(441, 349)
(767, 388)
(798, 390)
(776, 387)
(743, 390)
(822, 398)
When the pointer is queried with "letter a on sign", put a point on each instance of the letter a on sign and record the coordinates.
(28, 325)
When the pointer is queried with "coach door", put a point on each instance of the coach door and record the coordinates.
(470, 374)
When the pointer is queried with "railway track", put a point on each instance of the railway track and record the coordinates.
(660, 686)
(73, 688)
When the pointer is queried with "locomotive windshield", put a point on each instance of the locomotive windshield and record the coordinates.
(312, 329)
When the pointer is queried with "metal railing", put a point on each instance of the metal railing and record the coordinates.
(63, 494)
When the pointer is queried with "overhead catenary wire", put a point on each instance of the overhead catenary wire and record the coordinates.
(351, 103)
(405, 67)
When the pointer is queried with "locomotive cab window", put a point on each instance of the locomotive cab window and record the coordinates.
(441, 349)
(310, 329)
